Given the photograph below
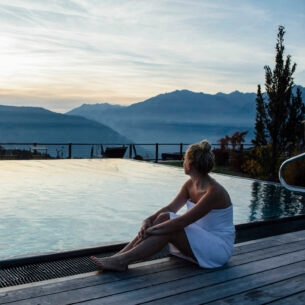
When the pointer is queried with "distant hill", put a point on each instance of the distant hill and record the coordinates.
(32, 124)
(179, 116)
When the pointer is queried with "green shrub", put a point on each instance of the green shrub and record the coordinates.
(257, 162)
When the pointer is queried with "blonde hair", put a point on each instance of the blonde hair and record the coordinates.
(201, 156)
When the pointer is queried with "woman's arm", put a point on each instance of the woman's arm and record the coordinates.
(201, 208)
(176, 204)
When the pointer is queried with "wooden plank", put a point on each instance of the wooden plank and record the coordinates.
(296, 299)
(182, 291)
(218, 291)
(54, 287)
(145, 270)
(268, 293)
(111, 288)
(108, 278)
(142, 278)
(264, 253)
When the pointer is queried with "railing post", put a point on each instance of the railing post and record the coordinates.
(130, 151)
(181, 149)
(157, 153)
(34, 150)
(70, 151)
(134, 150)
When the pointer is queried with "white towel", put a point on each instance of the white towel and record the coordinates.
(211, 237)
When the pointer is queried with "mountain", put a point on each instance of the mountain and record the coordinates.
(33, 124)
(179, 116)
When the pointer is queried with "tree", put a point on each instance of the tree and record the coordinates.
(282, 113)
(237, 140)
(260, 132)
(293, 132)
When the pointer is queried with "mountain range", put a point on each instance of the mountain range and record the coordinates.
(34, 124)
(179, 116)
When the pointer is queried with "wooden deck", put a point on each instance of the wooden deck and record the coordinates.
(270, 270)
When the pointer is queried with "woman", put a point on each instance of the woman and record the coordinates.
(204, 234)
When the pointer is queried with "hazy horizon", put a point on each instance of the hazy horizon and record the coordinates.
(60, 55)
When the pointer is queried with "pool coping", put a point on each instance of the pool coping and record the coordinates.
(270, 227)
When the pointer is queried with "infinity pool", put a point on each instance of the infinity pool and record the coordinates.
(55, 205)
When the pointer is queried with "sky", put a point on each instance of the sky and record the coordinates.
(60, 54)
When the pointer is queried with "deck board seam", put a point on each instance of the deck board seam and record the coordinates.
(301, 293)
(127, 278)
(181, 293)
(201, 272)
(301, 275)
(294, 255)
(221, 283)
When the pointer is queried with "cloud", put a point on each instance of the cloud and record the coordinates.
(125, 51)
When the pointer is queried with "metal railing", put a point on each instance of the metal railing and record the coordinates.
(145, 151)
(281, 171)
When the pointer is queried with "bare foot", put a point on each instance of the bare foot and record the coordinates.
(109, 263)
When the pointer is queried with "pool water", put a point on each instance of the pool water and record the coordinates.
(55, 205)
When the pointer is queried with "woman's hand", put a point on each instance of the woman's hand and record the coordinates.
(156, 230)
(164, 228)
(145, 225)
(153, 231)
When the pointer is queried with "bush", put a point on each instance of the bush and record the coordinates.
(253, 168)
(237, 160)
(257, 162)
(294, 173)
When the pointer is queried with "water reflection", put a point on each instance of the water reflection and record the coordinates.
(67, 204)
(274, 201)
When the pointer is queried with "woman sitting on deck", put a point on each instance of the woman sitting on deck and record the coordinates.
(204, 234)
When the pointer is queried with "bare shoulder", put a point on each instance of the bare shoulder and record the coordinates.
(220, 195)
(217, 187)
(188, 183)
(186, 188)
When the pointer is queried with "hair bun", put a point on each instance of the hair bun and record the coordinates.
(205, 145)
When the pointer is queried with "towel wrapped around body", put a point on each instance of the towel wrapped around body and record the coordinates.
(211, 237)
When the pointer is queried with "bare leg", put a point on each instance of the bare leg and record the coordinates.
(130, 245)
(161, 218)
(144, 249)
